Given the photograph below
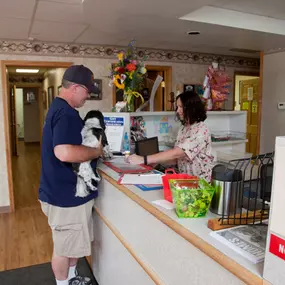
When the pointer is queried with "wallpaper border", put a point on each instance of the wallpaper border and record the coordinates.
(95, 51)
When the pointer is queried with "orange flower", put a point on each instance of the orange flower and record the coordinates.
(130, 67)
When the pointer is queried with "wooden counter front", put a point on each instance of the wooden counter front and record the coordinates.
(225, 261)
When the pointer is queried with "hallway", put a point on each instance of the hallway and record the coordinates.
(26, 175)
(25, 238)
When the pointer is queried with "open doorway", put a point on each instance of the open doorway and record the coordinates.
(27, 97)
(248, 98)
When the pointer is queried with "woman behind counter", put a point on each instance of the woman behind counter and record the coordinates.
(192, 150)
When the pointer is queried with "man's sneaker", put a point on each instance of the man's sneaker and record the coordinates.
(79, 280)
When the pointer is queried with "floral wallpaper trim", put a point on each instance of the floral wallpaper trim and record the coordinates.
(78, 50)
(25, 79)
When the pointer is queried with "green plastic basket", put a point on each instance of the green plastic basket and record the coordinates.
(189, 202)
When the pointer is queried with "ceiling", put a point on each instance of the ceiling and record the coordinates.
(230, 27)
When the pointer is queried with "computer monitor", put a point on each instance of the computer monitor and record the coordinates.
(147, 146)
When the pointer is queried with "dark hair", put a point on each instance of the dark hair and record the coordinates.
(194, 110)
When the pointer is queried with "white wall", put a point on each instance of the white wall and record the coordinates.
(181, 73)
(273, 120)
(20, 113)
(31, 116)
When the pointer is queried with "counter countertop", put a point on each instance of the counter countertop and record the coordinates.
(193, 230)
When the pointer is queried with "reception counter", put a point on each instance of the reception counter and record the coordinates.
(137, 242)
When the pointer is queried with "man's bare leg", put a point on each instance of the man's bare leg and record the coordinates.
(60, 267)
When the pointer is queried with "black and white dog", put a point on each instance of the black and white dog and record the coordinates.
(87, 177)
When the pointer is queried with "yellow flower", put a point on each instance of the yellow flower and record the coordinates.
(120, 56)
(131, 74)
(117, 84)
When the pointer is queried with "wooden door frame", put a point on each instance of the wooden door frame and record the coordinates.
(168, 80)
(4, 65)
(253, 74)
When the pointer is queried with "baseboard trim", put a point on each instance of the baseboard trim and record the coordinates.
(5, 209)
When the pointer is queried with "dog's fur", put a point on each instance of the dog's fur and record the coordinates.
(87, 178)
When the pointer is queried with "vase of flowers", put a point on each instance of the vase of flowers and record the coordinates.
(130, 102)
(128, 75)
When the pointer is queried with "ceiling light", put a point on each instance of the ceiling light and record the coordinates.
(27, 70)
(193, 33)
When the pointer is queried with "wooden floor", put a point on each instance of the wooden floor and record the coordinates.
(26, 175)
(25, 238)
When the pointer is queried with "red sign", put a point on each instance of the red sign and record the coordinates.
(277, 246)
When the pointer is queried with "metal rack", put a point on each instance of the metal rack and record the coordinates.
(253, 201)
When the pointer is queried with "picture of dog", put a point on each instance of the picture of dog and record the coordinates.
(87, 177)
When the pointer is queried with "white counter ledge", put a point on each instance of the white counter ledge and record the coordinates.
(167, 248)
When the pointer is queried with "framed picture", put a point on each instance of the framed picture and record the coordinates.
(44, 94)
(50, 94)
(58, 89)
(198, 88)
(31, 97)
(98, 84)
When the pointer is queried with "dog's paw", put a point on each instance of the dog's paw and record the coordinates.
(107, 153)
(81, 188)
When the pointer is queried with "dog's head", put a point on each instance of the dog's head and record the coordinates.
(96, 114)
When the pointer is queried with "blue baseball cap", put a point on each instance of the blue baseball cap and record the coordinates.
(82, 75)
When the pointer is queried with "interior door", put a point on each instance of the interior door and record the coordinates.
(13, 122)
(249, 98)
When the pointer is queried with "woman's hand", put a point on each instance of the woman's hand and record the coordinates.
(135, 159)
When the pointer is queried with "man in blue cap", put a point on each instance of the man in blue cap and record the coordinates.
(69, 217)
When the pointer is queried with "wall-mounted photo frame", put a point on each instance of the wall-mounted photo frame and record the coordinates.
(198, 88)
(58, 89)
(98, 84)
(31, 97)
(44, 95)
(50, 94)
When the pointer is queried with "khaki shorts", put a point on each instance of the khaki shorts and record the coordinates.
(72, 229)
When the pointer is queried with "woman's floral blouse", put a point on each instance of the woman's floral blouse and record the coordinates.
(195, 141)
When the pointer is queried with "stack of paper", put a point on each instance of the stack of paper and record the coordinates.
(141, 179)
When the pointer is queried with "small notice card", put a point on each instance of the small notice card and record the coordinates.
(114, 132)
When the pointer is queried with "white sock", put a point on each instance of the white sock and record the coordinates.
(71, 272)
(62, 282)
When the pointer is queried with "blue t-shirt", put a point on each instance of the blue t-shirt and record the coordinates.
(63, 125)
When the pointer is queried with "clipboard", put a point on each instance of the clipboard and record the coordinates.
(128, 168)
